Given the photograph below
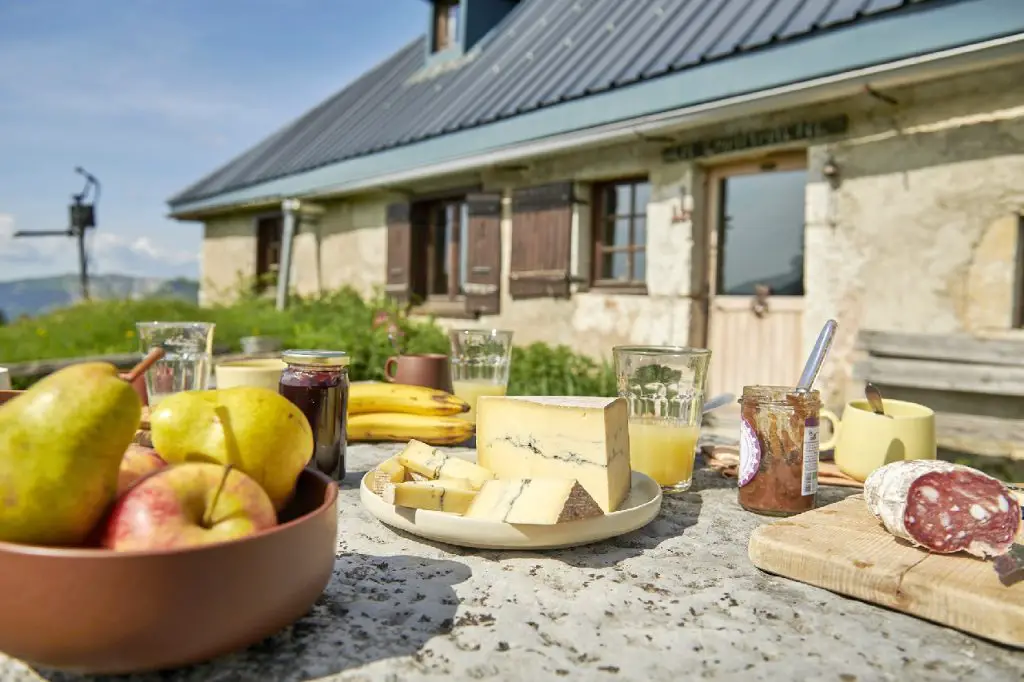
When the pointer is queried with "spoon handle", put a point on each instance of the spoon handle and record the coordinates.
(817, 357)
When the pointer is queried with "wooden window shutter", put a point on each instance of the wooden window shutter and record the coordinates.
(542, 241)
(399, 259)
(483, 266)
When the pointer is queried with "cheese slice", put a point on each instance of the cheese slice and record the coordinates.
(581, 438)
(435, 464)
(388, 471)
(447, 496)
(539, 501)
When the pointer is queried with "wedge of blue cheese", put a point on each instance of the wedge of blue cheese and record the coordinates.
(535, 501)
(583, 439)
(454, 496)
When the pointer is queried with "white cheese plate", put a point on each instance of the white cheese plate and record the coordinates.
(638, 509)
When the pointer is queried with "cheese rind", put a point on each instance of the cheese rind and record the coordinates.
(536, 501)
(392, 467)
(435, 464)
(454, 498)
(388, 471)
(581, 438)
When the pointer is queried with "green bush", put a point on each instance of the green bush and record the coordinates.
(339, 320)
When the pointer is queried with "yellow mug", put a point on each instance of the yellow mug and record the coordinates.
(864, 441)
(264, 373)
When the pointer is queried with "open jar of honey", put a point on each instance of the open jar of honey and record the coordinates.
(778, 472)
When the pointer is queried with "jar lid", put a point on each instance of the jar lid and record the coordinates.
(321, 358)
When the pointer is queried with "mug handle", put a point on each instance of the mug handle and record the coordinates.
(390, 369)
(831, 417)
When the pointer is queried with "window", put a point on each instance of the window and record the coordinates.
(268, 250)
(446, 24)
(620, 232)
(761, 233)
(446, 243)
(444, 257)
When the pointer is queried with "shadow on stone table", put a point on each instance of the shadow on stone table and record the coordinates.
(374, 608)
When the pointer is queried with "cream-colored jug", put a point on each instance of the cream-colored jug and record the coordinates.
(864, 441)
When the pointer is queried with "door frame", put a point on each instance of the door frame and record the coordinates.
(704, 260)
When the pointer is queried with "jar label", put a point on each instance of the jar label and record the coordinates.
(750, 453)
(809, 485)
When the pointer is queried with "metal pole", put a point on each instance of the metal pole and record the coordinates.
(83, 264)
(290, 209)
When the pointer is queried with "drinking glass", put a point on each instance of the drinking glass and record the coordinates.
(479, 364)
(185, 366)
(664, 387)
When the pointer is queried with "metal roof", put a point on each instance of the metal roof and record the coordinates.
(544, 53)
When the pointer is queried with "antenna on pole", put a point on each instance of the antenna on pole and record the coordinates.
(82, 217)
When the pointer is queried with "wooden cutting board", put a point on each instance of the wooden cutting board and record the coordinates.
(842, 548)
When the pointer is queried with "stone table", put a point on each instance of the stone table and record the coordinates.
(675, 600)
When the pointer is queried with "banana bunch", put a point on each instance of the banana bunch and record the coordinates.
(399, 412)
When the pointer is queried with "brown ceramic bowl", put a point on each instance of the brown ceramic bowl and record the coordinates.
(98, 611)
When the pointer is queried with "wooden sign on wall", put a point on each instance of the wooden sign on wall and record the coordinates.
(803, 130)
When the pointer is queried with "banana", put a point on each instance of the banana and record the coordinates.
(365, 398)
(400, 427)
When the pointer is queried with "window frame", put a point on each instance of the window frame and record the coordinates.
(454, 248)
(441, 40)
(599, 220)
(262, 279)
(715, 176)
(450, 305)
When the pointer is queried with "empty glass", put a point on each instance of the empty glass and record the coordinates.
(480, 362)
(185, 366)
(664, 386)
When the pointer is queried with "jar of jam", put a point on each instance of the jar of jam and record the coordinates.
(778, 472)
(316, 381)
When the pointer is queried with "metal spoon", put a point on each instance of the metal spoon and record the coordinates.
(874, 397)
(817, 357)
(718, 401)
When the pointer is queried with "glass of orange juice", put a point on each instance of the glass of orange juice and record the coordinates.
(480, 361)
(664, 386)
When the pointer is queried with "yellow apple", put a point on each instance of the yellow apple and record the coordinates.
(256, 430)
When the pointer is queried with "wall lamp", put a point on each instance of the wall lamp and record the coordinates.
(683, 212)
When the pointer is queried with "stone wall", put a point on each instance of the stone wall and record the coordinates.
(920, 235)
(228, 256)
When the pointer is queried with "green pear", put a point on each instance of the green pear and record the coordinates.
(61, 444)
(256, 430)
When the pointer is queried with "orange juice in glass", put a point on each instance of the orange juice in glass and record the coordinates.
(479, 362)
(664, 387)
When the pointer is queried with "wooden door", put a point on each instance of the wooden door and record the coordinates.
(755, 268)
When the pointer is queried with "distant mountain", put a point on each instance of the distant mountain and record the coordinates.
(37, 295)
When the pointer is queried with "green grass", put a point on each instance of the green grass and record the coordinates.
(340, 320)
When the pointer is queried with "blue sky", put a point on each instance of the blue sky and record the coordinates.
(149, 95)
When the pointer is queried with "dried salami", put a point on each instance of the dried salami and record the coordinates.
(944, 507)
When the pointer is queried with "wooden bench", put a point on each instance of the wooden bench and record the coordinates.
(975, 385)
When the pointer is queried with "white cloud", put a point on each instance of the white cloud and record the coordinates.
(108, 253)
(23, 255)
(115, 253)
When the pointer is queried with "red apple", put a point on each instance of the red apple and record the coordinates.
(188, 505)
(139, 461)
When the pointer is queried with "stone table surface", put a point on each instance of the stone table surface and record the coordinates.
(675, 600)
